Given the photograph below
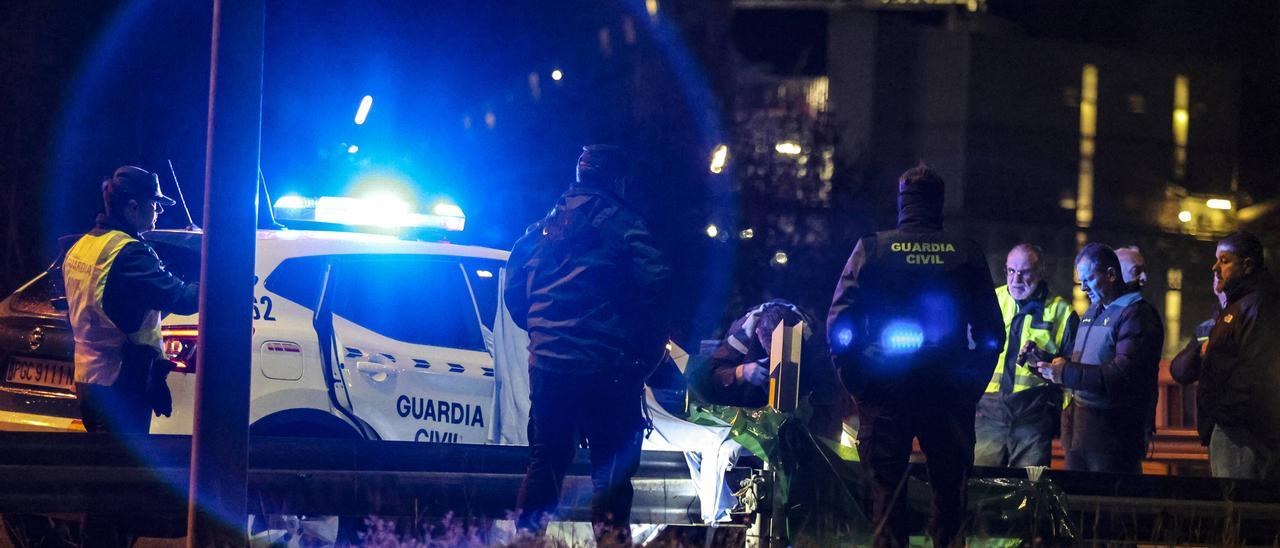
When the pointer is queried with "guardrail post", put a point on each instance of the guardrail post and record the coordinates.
(216, 513)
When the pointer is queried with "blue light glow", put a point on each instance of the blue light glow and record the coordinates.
(363, 111)
(844, 337)
(902, 336)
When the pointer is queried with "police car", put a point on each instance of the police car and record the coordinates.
(354, 334)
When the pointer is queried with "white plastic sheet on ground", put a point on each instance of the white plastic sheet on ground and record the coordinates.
(708, 451)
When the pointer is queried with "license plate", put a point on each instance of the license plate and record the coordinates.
(40, 372)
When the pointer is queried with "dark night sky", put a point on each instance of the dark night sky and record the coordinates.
(139, 96)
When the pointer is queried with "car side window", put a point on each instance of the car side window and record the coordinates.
(419, 300)
(483, 275)
(299, 279)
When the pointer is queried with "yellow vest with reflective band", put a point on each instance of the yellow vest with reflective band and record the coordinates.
(99, 343)
(1047, 331)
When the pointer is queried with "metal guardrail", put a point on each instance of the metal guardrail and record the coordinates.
(148, 475)
(68, 473)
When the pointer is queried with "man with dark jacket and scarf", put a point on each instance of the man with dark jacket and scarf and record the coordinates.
(588, 284)
(1238, 366)
(1113, 371)
(914, 330)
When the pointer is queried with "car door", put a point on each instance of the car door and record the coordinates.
(414, 350)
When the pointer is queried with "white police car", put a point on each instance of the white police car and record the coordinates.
(355, 334)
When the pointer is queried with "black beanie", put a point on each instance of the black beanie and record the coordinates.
(601, 165)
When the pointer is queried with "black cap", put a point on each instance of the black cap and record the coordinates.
(136, 183)
(600, 164)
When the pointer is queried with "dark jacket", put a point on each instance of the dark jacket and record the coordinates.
(1115, 363)
(924, 278)
(741, 345)
(1185, 366)
(1239, 373)
(589, 285)
(138, 283)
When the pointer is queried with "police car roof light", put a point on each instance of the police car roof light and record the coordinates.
(293, 201)
(382, 211)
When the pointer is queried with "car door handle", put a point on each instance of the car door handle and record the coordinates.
(374, 368)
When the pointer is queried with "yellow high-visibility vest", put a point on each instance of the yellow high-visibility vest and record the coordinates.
(1047, 330)
(99, 343)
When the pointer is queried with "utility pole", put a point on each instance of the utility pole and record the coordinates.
(216, 513)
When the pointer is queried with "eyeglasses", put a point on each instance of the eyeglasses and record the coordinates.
(1011, 272)
(155, 204)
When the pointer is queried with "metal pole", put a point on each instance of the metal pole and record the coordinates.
(216, 515)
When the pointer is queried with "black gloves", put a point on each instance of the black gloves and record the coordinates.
(157, 390)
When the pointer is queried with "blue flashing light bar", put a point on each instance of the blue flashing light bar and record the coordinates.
(383, 211)
(363, 112)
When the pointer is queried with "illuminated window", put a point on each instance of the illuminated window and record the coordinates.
(1181, 123)
(817, 94)
(1079, 301)
(1173, 313)
(789, 148)
(719, 157)
(1088, 139)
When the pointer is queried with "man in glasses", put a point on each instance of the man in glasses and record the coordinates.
(117, 290)
(1018, 413)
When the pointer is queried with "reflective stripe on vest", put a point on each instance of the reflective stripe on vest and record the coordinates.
(98, 342)
(1048, 337)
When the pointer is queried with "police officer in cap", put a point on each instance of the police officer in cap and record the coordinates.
(117, 289)
(915, 329)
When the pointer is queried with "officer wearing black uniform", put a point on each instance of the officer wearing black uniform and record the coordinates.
(915, 330)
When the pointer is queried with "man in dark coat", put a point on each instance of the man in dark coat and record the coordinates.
(1238, 366)
(915, 331)
(588, 284)
(1113, 371)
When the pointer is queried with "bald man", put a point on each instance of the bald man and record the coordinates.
(1133, 266)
